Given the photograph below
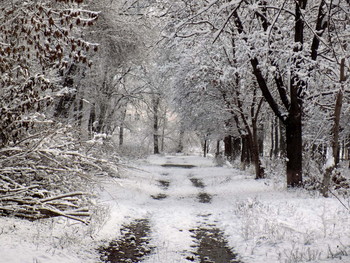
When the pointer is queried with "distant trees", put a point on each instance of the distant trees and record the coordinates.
(103, 92)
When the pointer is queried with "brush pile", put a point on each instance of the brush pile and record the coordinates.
(48, 175)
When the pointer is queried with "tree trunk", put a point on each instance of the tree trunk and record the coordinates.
(336, 126)
(217, 148)
(335, 132)
(121, 128)
(272, 139)
(205, 148)
(326, 181)
(294, 120)
(163, 131)
(294, 150)
(78, 111)
(180, 146)
(236, 147)
(245, 154)
(282, 141)
(228, 147)
(121, 135)
(100, 128)
(337, 113)
(92, 118)
(155, 125)
(261, 140)
(65, 102)
(277, 146)
(254, 142)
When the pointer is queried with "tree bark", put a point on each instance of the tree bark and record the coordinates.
(337, 113)
(294, 120)
(294, 150)
(217, 148)
(277, 145)
(261, 136)
(228, 147)
(65, 102)
(205, 148)
(236, 147)
(156, 102)
(121, 128)
(335, 132)
(180, 146)
(282, 141)
(336, 127)
(259, 170)
(92, 118)
(100, 128)
(245, 153)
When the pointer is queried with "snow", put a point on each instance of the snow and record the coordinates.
(262, 221)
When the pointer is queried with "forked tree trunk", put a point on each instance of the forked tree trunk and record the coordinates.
(294, 121)
(335, 132)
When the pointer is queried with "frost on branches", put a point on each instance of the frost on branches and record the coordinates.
(38, 41)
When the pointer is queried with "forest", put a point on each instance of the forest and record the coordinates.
(88, 87)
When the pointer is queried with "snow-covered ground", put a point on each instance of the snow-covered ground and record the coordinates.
(261, 220)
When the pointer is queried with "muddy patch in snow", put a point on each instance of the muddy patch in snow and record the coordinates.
(132, 247)
(211, 245)
(204, 198)
(159, 196)
(164, 184)
(197, 182)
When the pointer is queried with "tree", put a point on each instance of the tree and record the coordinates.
(284, 65)
(38, 41)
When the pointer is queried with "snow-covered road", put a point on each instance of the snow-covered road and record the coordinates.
(172, 213)
(178, 195)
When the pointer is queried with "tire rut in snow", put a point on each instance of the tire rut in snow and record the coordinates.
(132, 247)
(202, 196)
(164, 184)
(173, 165)
(212, 246)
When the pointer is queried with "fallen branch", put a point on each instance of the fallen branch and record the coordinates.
(51, 212)
(62, 196)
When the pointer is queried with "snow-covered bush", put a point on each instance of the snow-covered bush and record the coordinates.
(49, 175)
